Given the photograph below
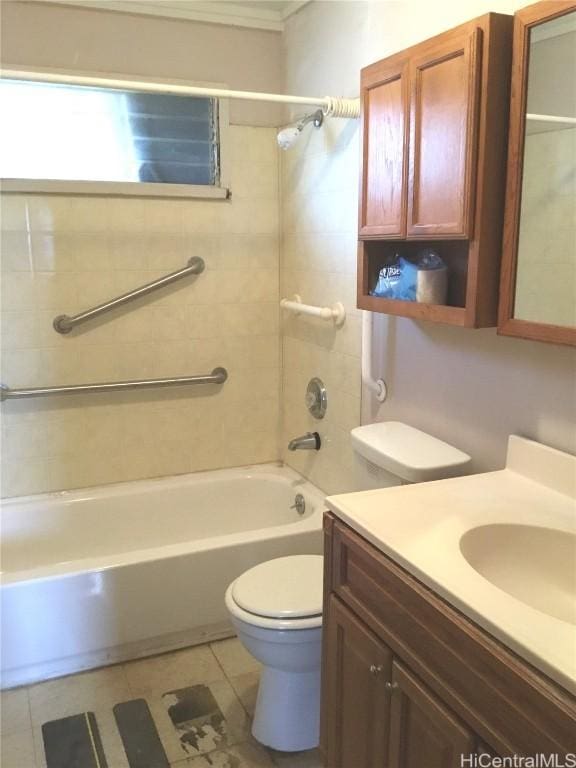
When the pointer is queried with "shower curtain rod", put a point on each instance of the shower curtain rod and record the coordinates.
(332, 106)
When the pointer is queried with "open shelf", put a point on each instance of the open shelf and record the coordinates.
(375, 254)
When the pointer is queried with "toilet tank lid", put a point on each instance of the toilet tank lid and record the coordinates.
(407, 452)
(287, 587)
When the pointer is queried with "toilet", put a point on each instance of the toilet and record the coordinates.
(276, 609)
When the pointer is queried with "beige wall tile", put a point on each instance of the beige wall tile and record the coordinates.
(319, 263)
(66, 254)
(15, 251)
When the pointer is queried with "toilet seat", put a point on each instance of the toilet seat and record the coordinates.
(284, 588)
(285, 593)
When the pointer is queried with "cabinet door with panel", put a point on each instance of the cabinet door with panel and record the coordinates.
(444, 84)
(434, 121)
(356, 693)
(384, 94)
(423, 732)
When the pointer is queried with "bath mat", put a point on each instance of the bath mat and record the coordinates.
(73, 742)
(139, 735)
(200, 724)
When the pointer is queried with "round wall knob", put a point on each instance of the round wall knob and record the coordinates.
(376, 669)
(316, 398)
(391, 686)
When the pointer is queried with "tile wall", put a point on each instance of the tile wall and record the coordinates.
(64, 254)
(319, 180)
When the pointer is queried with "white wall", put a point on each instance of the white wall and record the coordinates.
(469, 387)
(44, 35)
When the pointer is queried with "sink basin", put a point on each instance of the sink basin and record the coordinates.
(535, 565)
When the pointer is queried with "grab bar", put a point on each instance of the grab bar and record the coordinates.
(218, 376)
(336, 312)
(65, 323)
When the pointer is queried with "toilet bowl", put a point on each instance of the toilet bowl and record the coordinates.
(276, 609)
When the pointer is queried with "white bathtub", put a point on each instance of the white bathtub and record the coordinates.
(102, 575)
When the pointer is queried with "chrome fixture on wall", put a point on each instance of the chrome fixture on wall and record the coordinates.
(308, 442)
(288, 135)
(218, 376)
(65, 323)
(316, 398)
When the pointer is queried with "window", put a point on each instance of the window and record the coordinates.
(78, 134)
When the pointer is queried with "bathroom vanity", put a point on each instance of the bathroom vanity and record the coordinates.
(432, 650)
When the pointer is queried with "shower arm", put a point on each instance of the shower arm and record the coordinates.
(332, 106)
(316, 117)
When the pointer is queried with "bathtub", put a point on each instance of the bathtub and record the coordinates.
(102, 575)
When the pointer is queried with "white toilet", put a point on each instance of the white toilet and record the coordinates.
(276, 609)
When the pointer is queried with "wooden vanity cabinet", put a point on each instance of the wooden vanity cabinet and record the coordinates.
(408, 682)
(434, 128)
(423, 732)
(369, 727)
(360, 723)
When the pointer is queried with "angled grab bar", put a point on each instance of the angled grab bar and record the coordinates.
(218, 376)
(65, 323)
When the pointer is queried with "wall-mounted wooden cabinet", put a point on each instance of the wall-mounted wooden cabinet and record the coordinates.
(434, 123)
(409, 682)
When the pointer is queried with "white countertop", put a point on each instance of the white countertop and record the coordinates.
(420, 527)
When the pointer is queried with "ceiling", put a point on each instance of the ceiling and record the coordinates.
(261, 14)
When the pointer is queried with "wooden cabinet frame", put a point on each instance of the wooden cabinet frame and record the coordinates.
(473, 244)
(508, 325)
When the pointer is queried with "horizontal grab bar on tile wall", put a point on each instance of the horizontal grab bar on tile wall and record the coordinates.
(218, 376)
(65, 323)
(336, 312)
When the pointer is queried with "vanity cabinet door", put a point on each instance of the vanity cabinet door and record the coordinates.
(422, 731)
(384, 94)
(356, 699)
(444, 84)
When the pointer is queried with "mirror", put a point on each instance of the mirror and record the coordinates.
(538, 296)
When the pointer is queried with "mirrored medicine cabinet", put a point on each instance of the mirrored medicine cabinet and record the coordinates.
(538, 288)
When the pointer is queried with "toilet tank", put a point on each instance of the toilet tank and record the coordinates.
(392, 453)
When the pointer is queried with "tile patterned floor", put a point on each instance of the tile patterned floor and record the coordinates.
(201, 700)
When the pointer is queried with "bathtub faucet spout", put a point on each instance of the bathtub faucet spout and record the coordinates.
(308, 442)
